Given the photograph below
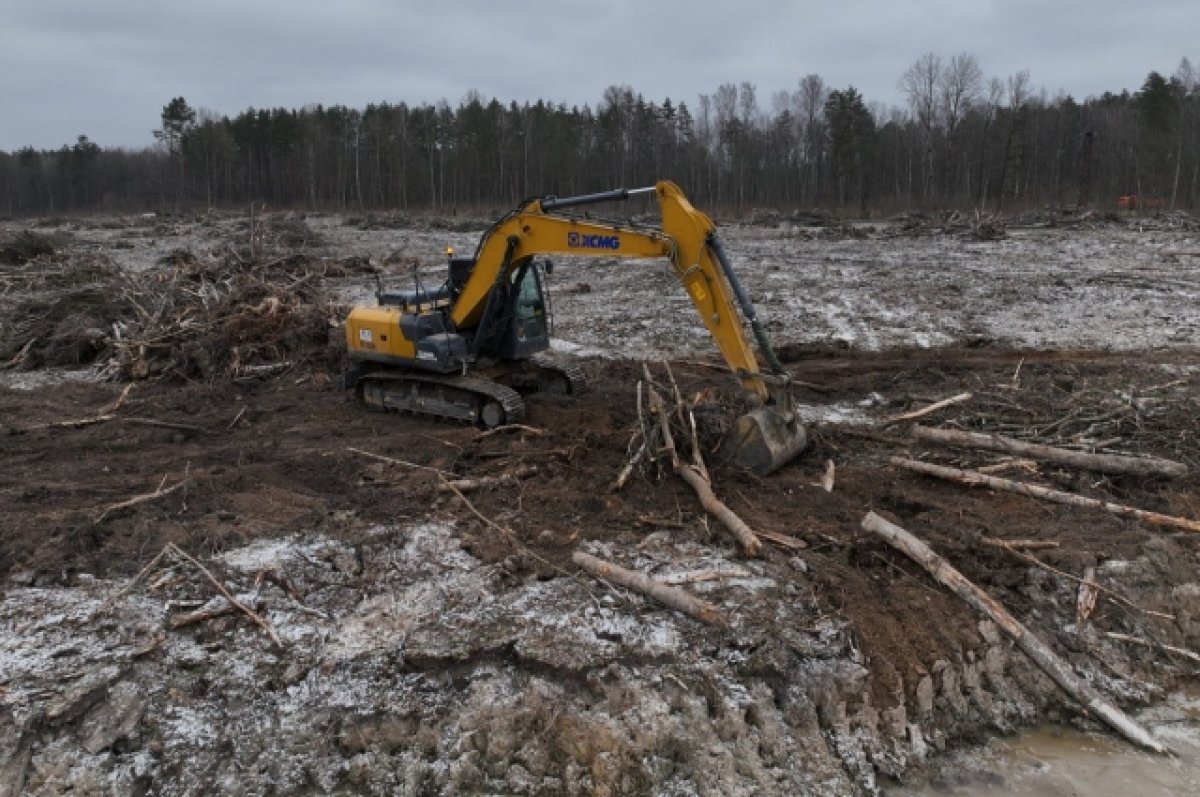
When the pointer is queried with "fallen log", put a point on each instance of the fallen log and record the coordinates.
(700, 485)
(20, 356)
(669, 596)
(176, 425)
(783, 540)
(1029, 643)
(242, 373)
(226, 594)
(627, 471)
(1027, 465)
(1020, 545)
(977, 479)
(510, 427)
(1184, 652)
(1103, 463)
(715, 507)
(391, 461)
(828, 476)
(696, 576)
(120, 400)
(487, 482)
(161, 492)
(108, 602)
(217, 607)
(75, 423)
(923, 411)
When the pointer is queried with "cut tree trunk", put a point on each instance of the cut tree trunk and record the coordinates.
(716, 507)
(1104, 463)
(1028, 642)
(696, 480)
(977, 479)
(923, 411)
(667, 595)
(487, 482)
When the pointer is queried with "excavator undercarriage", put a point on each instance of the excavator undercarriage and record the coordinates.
(491, 399)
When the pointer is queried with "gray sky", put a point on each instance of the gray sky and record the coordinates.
(105, 69)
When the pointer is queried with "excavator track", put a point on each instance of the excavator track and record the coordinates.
(459, 398)
(555, 375)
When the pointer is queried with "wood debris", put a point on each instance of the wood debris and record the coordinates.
(696, 478)
(1085, 602)
(667, 595)
(1104, 463)
(977, 479)
(1027, 641)
(929, 410)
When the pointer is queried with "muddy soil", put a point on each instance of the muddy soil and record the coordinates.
(428, 646)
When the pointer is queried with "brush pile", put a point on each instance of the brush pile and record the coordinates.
(191, 317)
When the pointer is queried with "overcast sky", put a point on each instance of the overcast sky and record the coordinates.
(105, 69)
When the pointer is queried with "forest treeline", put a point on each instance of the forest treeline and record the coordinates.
(963, 141)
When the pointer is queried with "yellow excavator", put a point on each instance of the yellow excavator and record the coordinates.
(466, 349)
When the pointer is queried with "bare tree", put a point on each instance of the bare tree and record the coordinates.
(810, 109)
(1018, 95)
(995, 96)
(746, 140)
(920, 83)
(725, 107)
(1018, 89)
(1187, 78)
(707, 140)
(747, 102)
(959, 85)
(812, 95)
(783, 101)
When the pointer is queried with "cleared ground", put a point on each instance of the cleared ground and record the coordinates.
(432, 647)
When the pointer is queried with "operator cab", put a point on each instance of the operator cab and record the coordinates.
(530, 324)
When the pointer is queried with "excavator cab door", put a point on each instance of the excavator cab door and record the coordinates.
(529, 330)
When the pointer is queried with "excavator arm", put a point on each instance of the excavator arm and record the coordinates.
(764, 438)
(687, 238)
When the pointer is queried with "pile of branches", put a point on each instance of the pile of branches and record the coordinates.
(50, 305)
(668, 432)
(191, 318)
(25, 246)
(988, 228)
(977, 226)
(1074, 411)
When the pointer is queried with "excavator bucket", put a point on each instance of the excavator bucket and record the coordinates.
(764, 440)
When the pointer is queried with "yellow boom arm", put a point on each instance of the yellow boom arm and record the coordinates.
(687, 238)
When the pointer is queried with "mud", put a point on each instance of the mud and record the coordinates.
(427, 650)
(1052, 760)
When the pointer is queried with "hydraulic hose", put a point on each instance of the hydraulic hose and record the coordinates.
(743, 299)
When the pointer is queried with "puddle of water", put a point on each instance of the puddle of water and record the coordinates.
(1053, 761)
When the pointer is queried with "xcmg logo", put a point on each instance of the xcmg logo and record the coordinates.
(577, 240)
